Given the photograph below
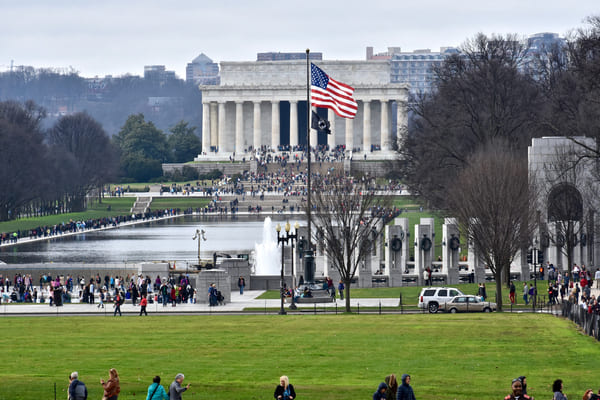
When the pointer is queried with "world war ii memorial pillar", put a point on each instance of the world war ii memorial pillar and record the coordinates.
(423, 245)
(395, 251)
(450, 251)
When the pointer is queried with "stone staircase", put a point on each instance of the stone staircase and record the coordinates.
(271, 203)
(141, 205)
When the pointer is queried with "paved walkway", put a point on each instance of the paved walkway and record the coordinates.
(237, 304)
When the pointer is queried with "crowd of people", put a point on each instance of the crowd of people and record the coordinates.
(574, 285)
(389, 389)
(49, 231)
(97, 290)
(77, 389)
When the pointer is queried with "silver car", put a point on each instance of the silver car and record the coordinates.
(467, 303)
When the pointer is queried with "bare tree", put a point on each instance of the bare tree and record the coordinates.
(22, 157)
(493, 200)
(480, 95)
(348, 218)
(569, 77)
(89, 147)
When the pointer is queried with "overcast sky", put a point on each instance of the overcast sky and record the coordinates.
(101, 37)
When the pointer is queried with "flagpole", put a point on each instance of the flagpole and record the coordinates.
(308, 112)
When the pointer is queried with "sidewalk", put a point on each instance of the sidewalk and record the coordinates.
(237, 304)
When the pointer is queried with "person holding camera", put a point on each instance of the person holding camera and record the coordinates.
(285, 390)
(175, 390)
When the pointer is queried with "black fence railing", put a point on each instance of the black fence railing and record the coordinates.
(586, 321)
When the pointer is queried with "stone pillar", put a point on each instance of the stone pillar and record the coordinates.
(239, 126)
(349, 134)
(431, 223)
(293, 123)
(275, 131)
(385, 126)
(206, 127)
(217, 276)
(394, 267)
(214, 139)
(475, 264)
(331, 137)
(314, 135)
(366, 126)
(554, 253)
(222, 139)
(422, 257)
(256, 142)
(401, 121)
(449, 255)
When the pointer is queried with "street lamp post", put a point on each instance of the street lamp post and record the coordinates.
(283, 240)
(200, 234)
(293, 237)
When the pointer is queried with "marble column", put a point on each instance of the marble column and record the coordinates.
(385, 126)
(349, 134)
(239, 127)
(256, 142)
(402, 121)
(293, 123)
(205, 127)
(314, 135)
(366, 126)
(222, 139)
(214, 123)
(275, 125)
(331, 137)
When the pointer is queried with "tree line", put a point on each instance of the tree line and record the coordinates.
(110, 100)
(53, 170)
(465, 151)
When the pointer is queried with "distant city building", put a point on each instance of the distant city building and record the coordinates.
(414, 68)
(202, 71)
(539, 46)
(158, 72)
(276, 56)
(382, 56)
(544, 42)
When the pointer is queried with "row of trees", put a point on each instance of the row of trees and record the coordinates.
(49, 171)
(53, 170)
(144, 147)
(466, 149)
(109, 100)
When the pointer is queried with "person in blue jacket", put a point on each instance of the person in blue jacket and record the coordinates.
(405, 391)
(156, 391)
(380, 394)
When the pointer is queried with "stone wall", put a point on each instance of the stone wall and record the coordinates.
(293, 73)
(205, 168)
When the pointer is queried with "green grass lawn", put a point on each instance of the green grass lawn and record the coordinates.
(326, 357)
(118, 205)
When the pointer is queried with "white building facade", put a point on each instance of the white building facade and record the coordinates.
(262, 105)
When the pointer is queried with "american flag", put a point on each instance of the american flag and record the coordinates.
(328, 93)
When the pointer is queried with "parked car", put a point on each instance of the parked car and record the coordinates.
(431, 297)
(468, 304)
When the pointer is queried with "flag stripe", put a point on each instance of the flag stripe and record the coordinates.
(329, 93)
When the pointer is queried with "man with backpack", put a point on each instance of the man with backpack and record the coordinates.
(77, 389)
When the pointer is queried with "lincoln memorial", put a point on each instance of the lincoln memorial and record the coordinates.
(262, 105)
